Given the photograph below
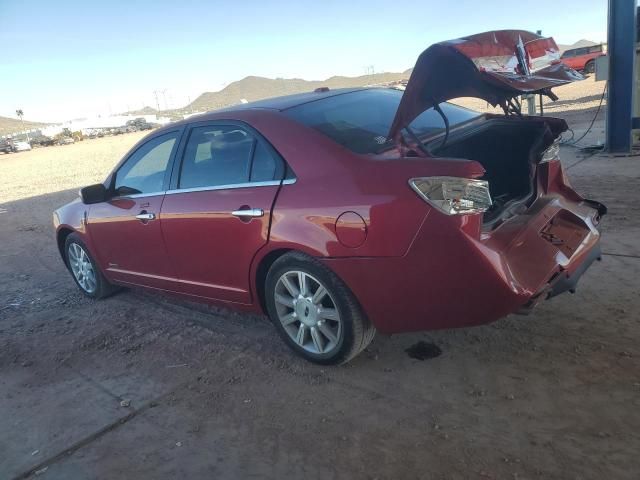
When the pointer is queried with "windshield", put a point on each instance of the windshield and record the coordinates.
(361, 120)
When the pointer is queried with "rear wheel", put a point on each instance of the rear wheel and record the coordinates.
(590, 67)
(84, 269)
(314, 311)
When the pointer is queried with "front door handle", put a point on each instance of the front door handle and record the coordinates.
(146, 216)
(249, 212)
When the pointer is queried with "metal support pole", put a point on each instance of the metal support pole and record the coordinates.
(621, 51)
(531, 104)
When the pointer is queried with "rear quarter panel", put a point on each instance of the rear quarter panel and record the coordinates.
(332, 180)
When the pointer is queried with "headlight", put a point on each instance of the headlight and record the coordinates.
(551, 153)
(454, 195)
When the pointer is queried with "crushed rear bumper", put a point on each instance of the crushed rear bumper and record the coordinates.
(569, 281)
(454, 276)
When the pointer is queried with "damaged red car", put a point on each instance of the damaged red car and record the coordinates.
(339, 213)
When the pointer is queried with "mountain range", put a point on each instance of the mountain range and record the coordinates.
(256, 88)
(11, 125)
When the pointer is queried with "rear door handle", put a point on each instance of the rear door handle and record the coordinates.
(146, 216)
(249, 212)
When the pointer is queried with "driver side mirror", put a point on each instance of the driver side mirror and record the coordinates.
(93, 194)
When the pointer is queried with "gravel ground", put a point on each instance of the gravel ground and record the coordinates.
(139, 386)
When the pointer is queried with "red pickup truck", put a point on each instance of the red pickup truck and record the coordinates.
(583, 58)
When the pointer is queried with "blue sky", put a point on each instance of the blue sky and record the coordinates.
(65, 59)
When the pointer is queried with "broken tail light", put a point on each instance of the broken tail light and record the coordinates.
(551, 153)
(453, 195)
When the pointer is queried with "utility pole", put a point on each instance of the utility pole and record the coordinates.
(164, 97)
(155, 94)
(20, 114)
(369, 70)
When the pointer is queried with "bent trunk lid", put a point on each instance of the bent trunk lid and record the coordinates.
(495, 66)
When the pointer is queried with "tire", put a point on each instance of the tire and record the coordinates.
(83, 267)
(325, 328)
(590, 67)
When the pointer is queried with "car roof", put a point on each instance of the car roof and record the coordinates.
(289, 101)
(275, 104)
(585, 47)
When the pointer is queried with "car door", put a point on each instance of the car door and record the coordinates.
(126, 229)
(217, 214)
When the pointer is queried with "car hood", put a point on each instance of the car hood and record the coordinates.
(495, 66)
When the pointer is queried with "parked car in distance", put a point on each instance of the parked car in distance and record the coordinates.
(66, 141)
(7, 146)
(21, 146)
(121, 130)
(95, 133)
(339, 213)
(139, 124)
(583, 59)
(42, 141)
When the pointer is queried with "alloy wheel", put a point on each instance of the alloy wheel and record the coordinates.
(307, 312)
(82, 268)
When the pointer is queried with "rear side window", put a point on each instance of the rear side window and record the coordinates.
(221, 155)
(361, 120)
(265, 165)
(144, 171)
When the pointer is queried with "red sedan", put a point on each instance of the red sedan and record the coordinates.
(342, 213)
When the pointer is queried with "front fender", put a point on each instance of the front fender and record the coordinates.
(71, 218)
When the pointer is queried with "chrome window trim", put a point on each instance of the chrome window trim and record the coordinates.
(138, 195)
(270, 183)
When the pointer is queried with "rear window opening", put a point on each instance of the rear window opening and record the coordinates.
(361, 120)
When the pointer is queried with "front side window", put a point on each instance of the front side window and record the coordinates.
(220, 155)
(144, 171)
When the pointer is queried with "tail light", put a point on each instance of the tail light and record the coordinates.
(551, 153)
(454, 195)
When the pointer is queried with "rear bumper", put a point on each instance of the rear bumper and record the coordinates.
(454, 276)
(563, 282)
(569, 281)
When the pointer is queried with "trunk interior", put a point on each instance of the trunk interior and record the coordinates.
(509, 150)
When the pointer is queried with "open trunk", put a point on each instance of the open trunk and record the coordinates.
(509, 149)
(497, 66)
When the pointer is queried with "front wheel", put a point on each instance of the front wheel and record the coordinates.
(84, 269)
(314, 311)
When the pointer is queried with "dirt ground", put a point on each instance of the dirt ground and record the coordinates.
(140, 386)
